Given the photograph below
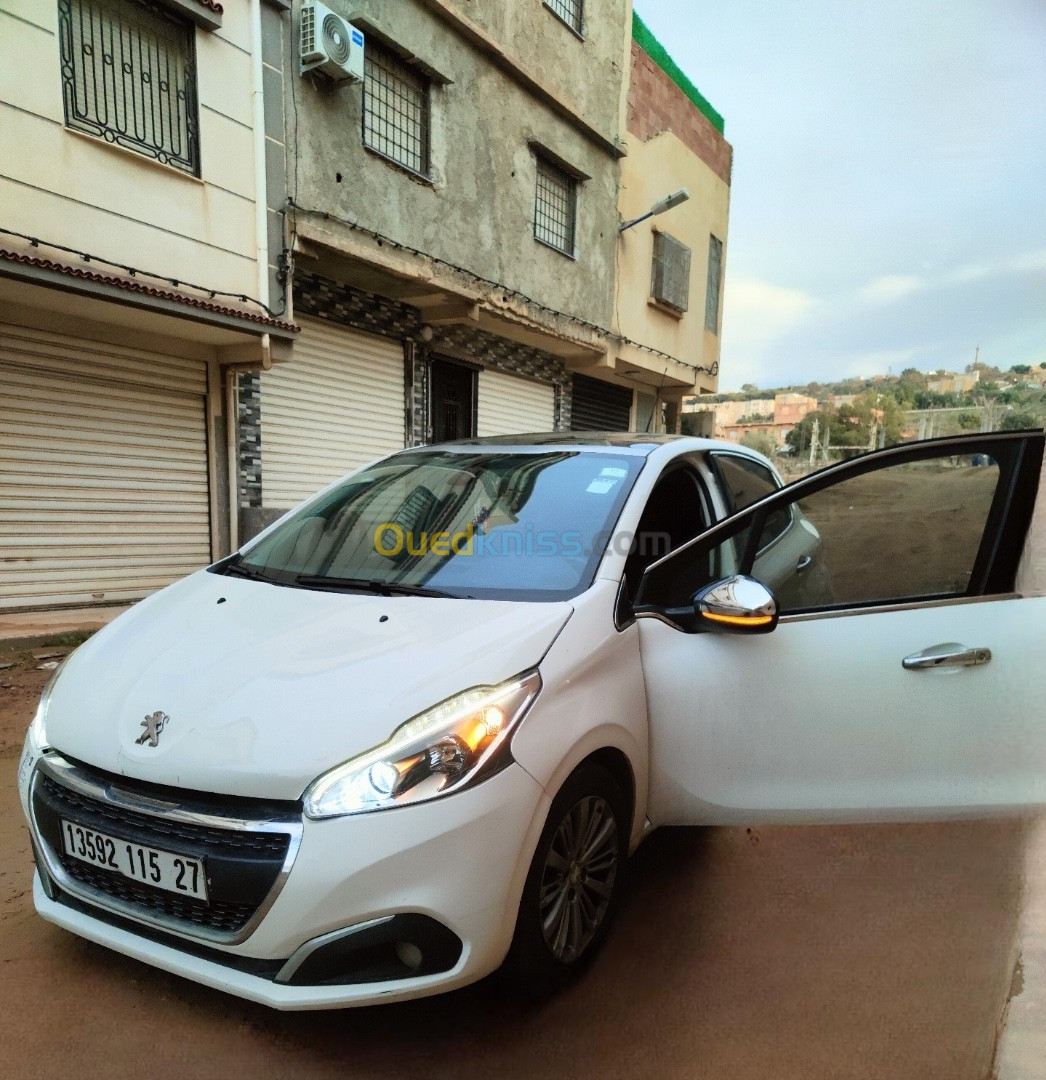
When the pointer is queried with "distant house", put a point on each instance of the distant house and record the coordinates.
(946, 382)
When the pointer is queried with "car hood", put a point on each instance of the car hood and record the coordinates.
(267, 687)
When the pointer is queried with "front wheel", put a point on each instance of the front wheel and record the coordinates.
(573, 884)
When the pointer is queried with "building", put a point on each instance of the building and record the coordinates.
(453, 221)
(228, 277)
(669, 292)
(947, 382)
(789, 409)
(132, 163)
(774, 418)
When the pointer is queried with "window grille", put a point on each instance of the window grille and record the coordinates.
(670, 274)
(715, 272)
(570, 11)
(395, 110)
(129, 77)
(555, 207)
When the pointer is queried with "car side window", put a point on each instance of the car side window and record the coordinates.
(676, 511)
(743, 482)
(923, 527)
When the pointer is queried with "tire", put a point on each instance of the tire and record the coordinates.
(573, 886)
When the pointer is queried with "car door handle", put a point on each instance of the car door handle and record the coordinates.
(948, 655)
(803, 563)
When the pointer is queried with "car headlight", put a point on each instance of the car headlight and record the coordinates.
(37, 734)
(36, 742)
(438, 751)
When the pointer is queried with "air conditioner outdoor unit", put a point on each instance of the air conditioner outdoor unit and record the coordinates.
(330, 44)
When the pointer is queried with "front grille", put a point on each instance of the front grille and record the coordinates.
(162, 832)
(222, 916)
(242, 865)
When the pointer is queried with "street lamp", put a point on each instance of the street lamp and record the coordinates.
(659, 207)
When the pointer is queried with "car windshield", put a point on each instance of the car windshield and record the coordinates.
(491, 525)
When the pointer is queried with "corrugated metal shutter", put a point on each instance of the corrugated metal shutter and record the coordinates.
(599, 406)
(337, 405)
(511, 406)
(103, 470)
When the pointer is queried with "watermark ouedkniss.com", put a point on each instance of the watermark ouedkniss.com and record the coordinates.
(393, 541)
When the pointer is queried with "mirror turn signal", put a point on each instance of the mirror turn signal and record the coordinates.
(736, 605)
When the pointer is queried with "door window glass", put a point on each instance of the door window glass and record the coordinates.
(912, 530)
(743, 482)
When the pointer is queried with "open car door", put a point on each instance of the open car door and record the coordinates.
(903, 677)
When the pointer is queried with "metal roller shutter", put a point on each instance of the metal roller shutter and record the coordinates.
(599, 406)
(104, 491)
(337, 405)
(511, 406)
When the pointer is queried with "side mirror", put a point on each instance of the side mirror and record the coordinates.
(737, 605)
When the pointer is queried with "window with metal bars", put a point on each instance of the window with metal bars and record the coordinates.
(555, 207)
(395, 109)
(129, 77)
(715, 274)
(570, 11)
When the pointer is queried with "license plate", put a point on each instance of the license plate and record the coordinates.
(180, 874)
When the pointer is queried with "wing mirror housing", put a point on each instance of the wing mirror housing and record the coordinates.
(736, 605)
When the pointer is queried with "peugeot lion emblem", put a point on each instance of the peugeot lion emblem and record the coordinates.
(153, 724)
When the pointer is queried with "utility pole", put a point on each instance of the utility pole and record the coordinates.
(813, 442)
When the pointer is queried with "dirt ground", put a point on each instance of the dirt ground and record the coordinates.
(796, 954)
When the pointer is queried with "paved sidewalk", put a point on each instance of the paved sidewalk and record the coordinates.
(41, 623)
(1022, 1047)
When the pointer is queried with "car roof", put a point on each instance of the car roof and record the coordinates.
(636, 442)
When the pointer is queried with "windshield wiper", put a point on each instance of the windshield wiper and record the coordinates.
(240, 569)
(367, 585)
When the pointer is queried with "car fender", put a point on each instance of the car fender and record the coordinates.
(593, 698)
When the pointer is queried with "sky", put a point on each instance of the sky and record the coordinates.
(888, 199)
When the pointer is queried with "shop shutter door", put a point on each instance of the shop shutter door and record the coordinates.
(599, 406)
(336, 405)
(104, 490)
(511, 406)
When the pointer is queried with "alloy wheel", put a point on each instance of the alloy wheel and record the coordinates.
(577, 880)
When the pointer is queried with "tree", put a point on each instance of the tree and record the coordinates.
(763, 444)
(1021, 369)
(1019, 421)
(970, 420)
(749, 388)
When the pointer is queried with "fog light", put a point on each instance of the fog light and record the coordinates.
(409, 954)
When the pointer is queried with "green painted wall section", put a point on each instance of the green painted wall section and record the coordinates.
(657, 52)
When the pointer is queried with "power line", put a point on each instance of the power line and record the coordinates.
(178, 283)
(711, 370)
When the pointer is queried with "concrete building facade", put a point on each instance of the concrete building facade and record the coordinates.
(669, 290)
(453, 223)
(135, 279)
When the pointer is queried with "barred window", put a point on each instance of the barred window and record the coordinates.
(129, 77)
(395, 109)
(570, 11)
(555, 206)
(715, 273)
(670, 273)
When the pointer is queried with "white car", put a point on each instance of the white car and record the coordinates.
(413, 730)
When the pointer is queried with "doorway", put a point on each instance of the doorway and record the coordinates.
(452, 401)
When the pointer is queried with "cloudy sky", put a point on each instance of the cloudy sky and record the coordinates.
(888, 207)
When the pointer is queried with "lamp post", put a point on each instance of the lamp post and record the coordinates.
(659, 207)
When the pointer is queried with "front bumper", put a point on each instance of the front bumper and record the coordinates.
(452, 869)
